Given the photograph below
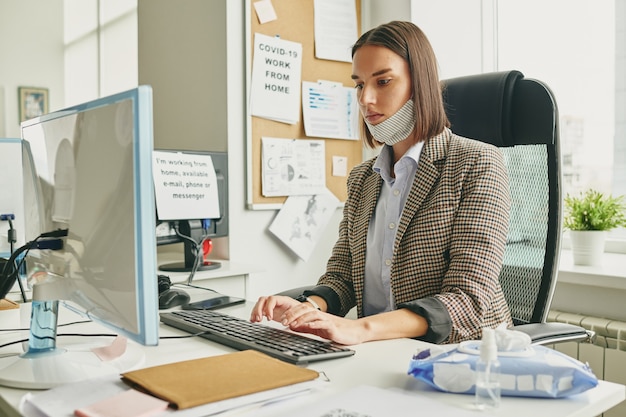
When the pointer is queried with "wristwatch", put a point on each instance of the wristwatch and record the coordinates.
(304, 299)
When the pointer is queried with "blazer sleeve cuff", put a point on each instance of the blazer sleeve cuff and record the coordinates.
(437, 316)
(333, 305)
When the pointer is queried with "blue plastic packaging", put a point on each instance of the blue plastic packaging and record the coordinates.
(536, 371)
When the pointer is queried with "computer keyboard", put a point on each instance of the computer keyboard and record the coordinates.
(241, 335)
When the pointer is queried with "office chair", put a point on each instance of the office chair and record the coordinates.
(520, 117)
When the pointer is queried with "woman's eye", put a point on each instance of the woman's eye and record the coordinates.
(384, 82)
(358, 86)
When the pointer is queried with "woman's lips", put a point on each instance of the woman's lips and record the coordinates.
(373, 118)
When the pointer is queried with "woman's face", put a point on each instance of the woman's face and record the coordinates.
(383, 82)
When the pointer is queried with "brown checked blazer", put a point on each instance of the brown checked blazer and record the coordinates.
(449, 243)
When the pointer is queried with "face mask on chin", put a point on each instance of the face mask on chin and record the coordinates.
(397, 128)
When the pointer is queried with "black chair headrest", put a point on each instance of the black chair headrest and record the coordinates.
(479, 106)
(501, 108)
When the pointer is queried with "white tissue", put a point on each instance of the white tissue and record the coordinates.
(509, 340)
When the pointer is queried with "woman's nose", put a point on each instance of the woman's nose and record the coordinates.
(366, 96)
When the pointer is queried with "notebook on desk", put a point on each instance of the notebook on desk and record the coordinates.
(200, 381)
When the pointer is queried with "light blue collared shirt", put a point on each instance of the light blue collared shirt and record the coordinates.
(381, 233)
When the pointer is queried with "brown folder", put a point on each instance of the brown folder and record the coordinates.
(200, 381)
(8, 304)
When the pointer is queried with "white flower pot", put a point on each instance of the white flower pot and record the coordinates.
(587, 246)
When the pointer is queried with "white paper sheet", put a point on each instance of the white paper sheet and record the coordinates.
(63, 400)
(368, 401)
(292, 166)
(301, 221)
(185, 186)
(330, 110)
(276, 75)
(265, 11)
(335, 29)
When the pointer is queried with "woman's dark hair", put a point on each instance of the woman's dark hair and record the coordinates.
(410, 43)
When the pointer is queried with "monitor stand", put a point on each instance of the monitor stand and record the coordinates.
(191, 250)
(44, 365)
(184, 267)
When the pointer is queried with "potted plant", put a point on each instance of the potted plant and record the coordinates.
(588, 216)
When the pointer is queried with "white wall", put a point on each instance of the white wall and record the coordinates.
(31, 55)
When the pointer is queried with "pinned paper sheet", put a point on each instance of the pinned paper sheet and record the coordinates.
(335, 29)
(276, 75)
(330, 110)
(340, 166)
(301, 221)
(265, 11)
(293, 166)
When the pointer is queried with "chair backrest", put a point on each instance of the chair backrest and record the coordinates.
(519, 116)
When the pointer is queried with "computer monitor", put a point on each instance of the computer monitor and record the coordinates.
(94, 163)
(189, 208)
(18, 214)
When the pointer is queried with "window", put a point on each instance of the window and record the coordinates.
(577, 47)
(100, 48)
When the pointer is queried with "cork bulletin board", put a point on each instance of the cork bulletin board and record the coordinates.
(295, 22)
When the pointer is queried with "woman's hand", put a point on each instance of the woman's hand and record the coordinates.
(304, 318)
(272, 307)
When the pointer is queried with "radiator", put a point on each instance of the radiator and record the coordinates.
(606, 356)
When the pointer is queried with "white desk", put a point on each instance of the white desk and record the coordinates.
(382, 364)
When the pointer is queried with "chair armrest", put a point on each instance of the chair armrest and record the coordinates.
(555, 332)
(295, 292)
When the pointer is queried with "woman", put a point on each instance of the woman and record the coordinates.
(422, 237)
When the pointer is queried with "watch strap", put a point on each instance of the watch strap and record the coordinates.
(303, 298)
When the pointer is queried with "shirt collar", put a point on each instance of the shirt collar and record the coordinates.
(382, 165)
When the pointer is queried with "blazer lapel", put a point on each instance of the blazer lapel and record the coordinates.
(426, 176)
(371, 191)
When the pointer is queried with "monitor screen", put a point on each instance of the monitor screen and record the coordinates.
(94, 163)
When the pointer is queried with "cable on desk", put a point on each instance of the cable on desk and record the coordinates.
(63, 334)
(195, 286)
(60, 325)
(10, 271)
(184, 336)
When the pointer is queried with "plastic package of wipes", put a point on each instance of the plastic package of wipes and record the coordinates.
(525, 370)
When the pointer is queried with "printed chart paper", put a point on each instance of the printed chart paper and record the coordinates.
(292, 166)
(330, 110)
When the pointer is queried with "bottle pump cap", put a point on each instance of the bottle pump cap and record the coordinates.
(488, 346)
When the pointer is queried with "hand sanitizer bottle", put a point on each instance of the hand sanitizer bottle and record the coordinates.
(488, 373)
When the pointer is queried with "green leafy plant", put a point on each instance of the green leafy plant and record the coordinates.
(593, 210)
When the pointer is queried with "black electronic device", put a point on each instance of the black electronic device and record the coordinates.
(216, 301)
(170, 297)
(173, 297)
